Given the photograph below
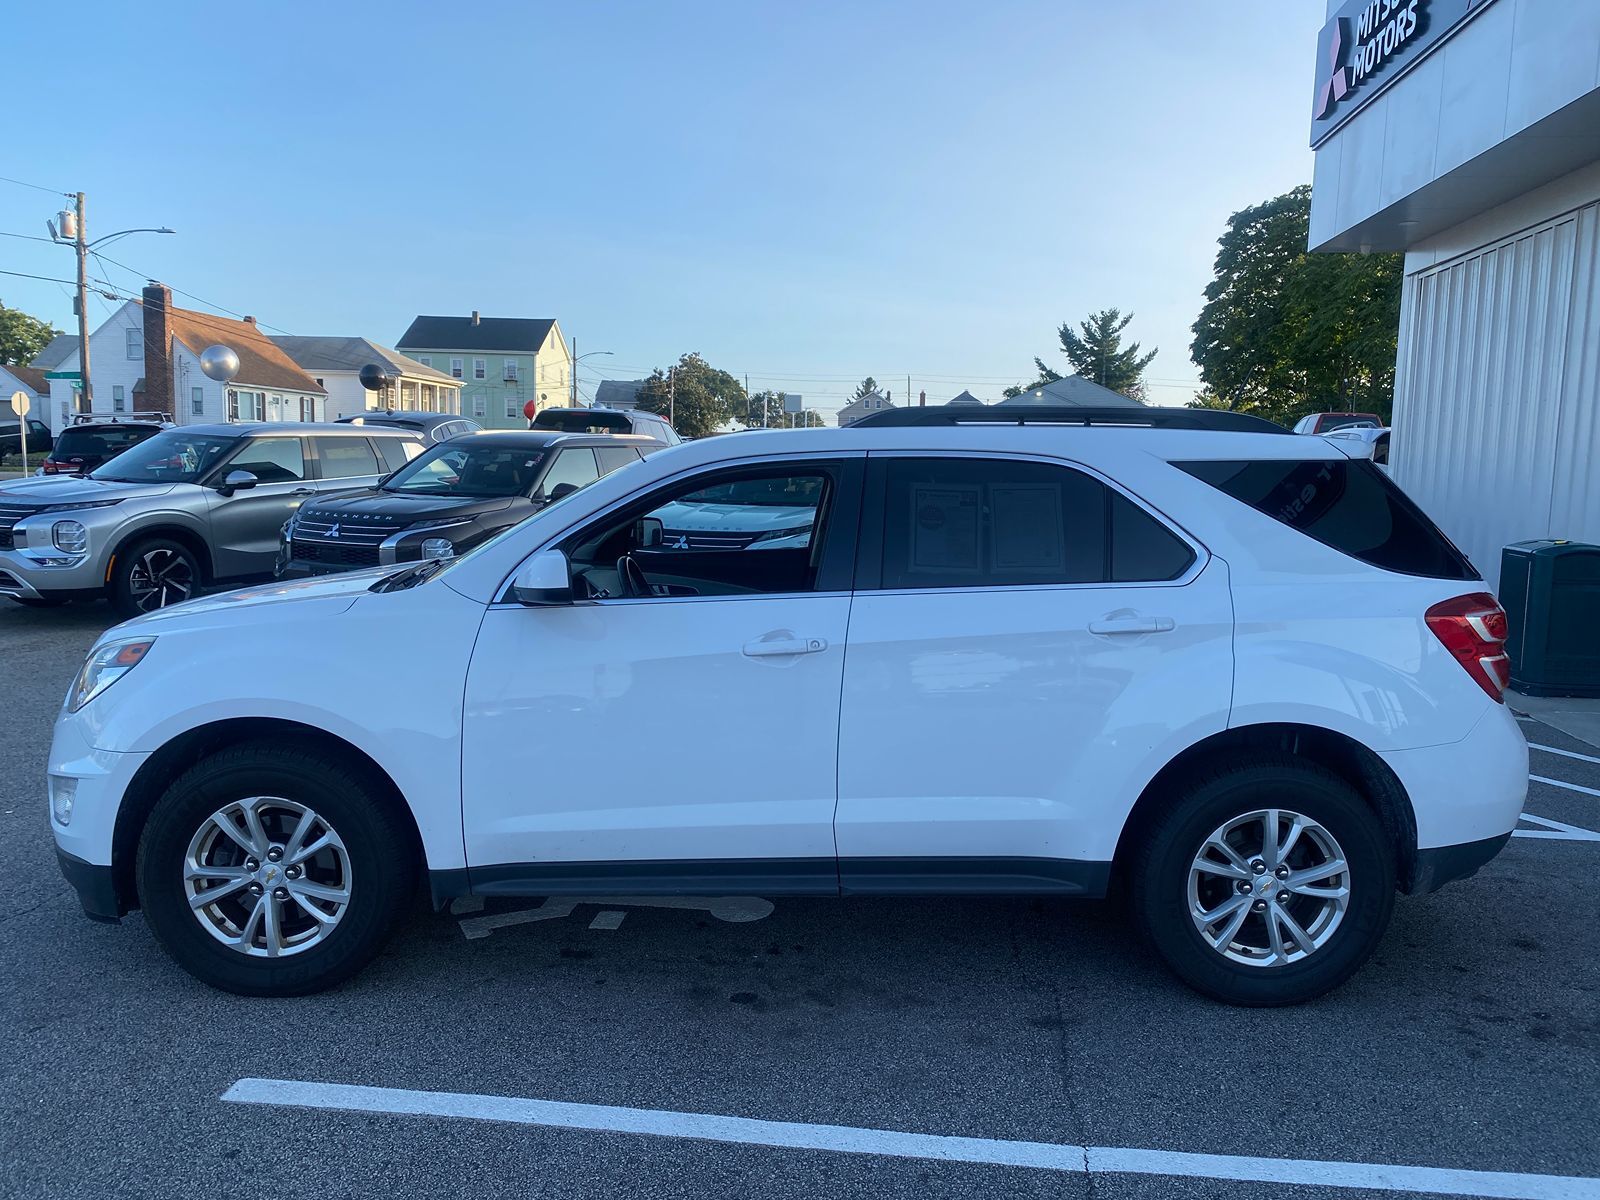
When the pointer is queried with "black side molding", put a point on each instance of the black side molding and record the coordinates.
(1446, 864)
(96, 887)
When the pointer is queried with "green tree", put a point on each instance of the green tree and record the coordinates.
(698, 398)
(1095, 350)
(771, 403)
(1284, 332)
(22, 336)
(865, 388)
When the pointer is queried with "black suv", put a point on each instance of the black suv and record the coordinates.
(449, 499)
(91, 441)
(607, 420)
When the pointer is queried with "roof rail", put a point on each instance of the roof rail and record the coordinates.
(1034, 414)
(147, 415)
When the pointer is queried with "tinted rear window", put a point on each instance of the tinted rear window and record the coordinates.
(581, 420)
(100, 442)
(1348, 505)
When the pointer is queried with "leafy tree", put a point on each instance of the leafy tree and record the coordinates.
(865, 388)
(1285, 332)
(1096, 352)
(771, 403)
(22, 337)
(698, 398)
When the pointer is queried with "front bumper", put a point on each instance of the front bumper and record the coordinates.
(96, 887)
(24, 576)
(85, 843)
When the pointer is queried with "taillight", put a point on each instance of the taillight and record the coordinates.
(50, 468)
(1473, 629)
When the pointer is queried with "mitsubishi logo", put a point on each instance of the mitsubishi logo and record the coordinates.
(333, 530)
(1337, 84)
(682, 543)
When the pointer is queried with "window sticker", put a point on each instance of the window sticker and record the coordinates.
(945, 526)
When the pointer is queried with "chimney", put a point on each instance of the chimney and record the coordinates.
(249, 320)
(157, 304)
(474, 316)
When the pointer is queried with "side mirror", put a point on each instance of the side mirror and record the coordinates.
(647, 533)
(544, 580)
(237, 481)
(561, 491)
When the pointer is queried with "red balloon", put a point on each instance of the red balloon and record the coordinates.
(530, 408)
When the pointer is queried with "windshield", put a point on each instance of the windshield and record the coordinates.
(170, 457)
(468, 469)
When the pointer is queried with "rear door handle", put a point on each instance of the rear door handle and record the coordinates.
(777, 647)
(1133, 624)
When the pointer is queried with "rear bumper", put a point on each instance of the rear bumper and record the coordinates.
(1446, 864)
(96, 887)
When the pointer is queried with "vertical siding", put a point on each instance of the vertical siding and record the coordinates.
(1495, 419)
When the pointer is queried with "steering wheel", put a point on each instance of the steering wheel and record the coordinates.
(632, 577)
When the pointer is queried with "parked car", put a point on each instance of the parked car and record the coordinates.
(191, 506)
(1372, 440)
(607, 420)
(434, 427)
(448, 500)
(1238, 669)
(1326, 422)
(11, 434)
(91, 440)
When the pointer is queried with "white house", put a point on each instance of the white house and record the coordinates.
(145, 357)
(870, 403)
(336, 362)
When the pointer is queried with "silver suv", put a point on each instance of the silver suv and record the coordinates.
(192, 506)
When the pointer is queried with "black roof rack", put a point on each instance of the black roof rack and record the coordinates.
(1036, 414)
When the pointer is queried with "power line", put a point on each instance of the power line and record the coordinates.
(27, 237)
(38, 187)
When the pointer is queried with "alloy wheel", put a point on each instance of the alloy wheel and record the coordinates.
(267, 876)
(1269, 888)
(160, 577)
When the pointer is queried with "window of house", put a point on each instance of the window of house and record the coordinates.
(510, 375)
(197, 401)
(480, 368)
(247, 406)
(134, 338)
(966, 522)
(118, 401)
(66, 413)
(455, 368)
(425, 359)
(480, 406)
(308, 408)
(512, 408)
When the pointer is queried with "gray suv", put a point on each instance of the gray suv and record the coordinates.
(192, 506)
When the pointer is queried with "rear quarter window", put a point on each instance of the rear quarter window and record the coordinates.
(1350, 506)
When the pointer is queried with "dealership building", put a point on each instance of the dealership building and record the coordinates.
(1466, 133)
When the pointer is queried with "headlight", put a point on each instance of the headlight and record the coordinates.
(55, 508)
(438, 548)
(773, 535)
(105, 665)
(70, 536)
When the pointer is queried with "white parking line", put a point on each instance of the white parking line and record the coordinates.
(846, 1139)
(1589, 758)
(1555, 831)
(1571, 787)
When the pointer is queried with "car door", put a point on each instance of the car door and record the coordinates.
(245, 524)
(683, 740)
(1025, 639)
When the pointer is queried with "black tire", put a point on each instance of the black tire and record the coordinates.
(376, 838)
(1163, 859)
(125, 585)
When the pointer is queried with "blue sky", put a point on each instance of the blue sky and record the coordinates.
(806, 193)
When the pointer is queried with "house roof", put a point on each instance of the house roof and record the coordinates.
(966, 397)
(1075, 391)
(617, 393)
(521, 334)
(351, 354)
(32, 377)
(61, 347)
(261, 362)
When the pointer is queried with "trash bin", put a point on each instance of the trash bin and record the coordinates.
(1550, 590)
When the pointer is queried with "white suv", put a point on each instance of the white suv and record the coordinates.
(1013, 655)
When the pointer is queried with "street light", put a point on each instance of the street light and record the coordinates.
(576, 359)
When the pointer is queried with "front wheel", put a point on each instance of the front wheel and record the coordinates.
(273, 871)
(1266, 883)
(152, 574)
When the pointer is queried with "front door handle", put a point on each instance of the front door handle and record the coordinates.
(1131, 624)
(774, 647)
(303, 492)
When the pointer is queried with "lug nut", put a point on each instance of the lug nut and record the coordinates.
(1282, 872)
(1258, 867)
(251, 864)
(291, 873)
(281, 893)
(255, 889)
(1259, 906)
(1244, 888)
(275, 854)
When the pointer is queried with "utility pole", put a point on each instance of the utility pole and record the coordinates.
(747, 402)
(572, 369)
(672, 396)
(85, 390)
(908, 391)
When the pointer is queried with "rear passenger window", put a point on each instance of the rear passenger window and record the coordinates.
(397, 452)
(1348, 505)
(1142, 549)
(346, 457)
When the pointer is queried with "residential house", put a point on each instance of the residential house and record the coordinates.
(61, 347)
(618, 393)
(1075, 391)
(336, 362)
(965, 397)
(145, 357)
(501, 363)
(870, 403)
(30, 381)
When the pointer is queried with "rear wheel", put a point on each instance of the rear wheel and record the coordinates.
(151, 574)
(273, 872)
(1267, 883)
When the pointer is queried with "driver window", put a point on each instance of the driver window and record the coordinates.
(750, 533)
(272, 459)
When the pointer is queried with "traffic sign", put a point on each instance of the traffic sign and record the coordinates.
(20, 402)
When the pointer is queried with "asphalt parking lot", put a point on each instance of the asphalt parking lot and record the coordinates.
(1471, 1044)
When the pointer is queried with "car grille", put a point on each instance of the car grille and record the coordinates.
(10, 514)
(692, 539)
(338, 553)
(323, 537)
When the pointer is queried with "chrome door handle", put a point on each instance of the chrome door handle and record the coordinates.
(777, 647)
(1116, 625)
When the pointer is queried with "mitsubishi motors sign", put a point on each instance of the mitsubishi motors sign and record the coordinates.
(1370, 43)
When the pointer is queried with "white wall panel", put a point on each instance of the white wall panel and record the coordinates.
(1495, 416)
